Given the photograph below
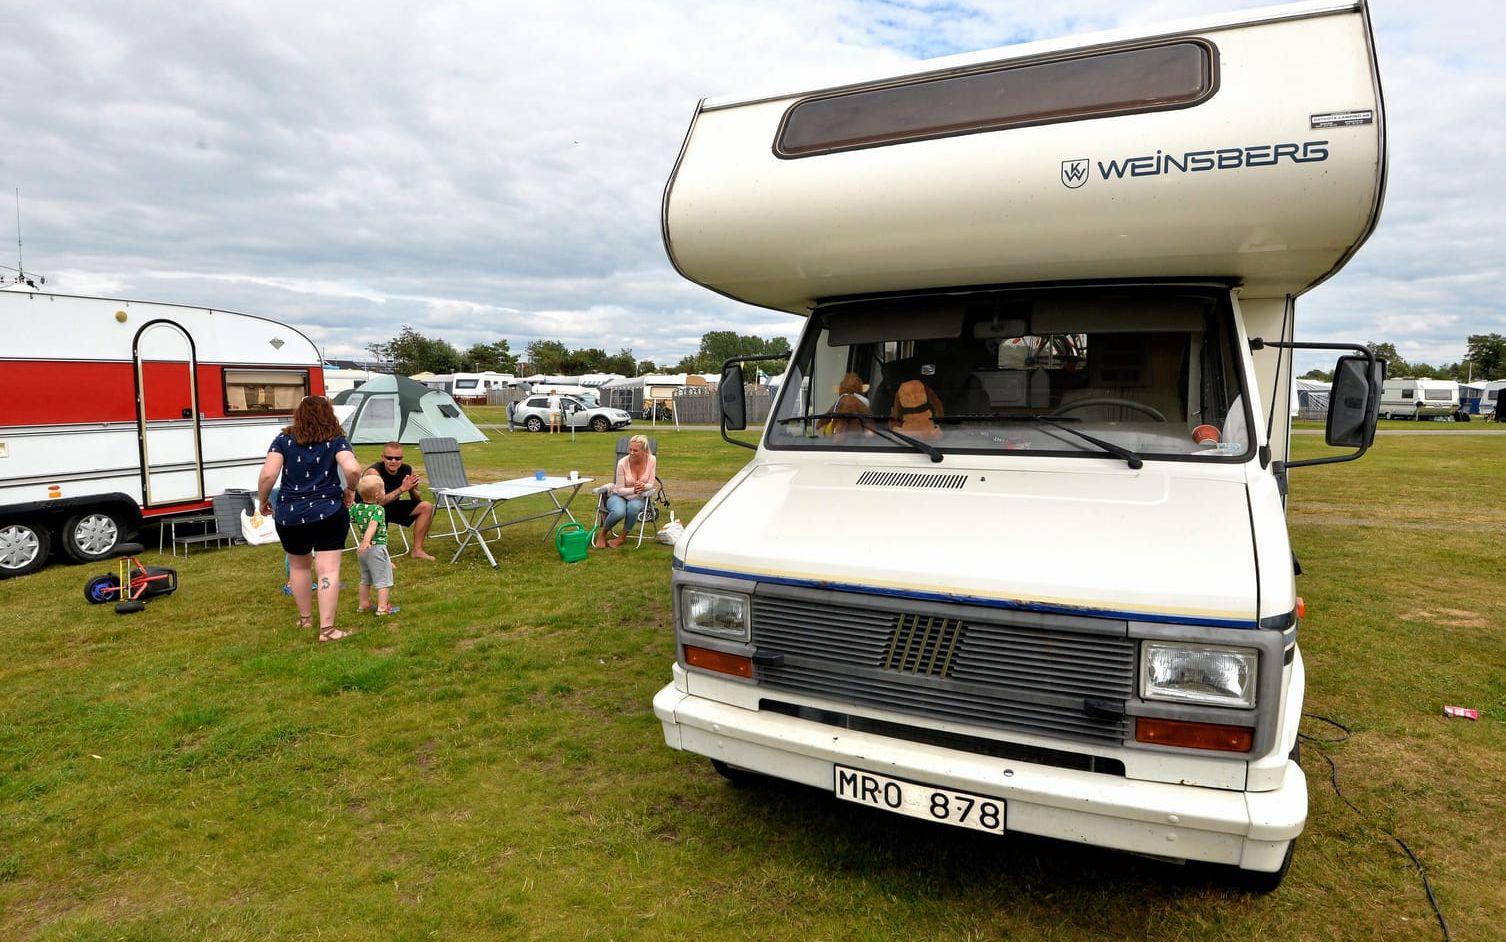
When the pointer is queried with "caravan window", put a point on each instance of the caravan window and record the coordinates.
(1001, 371)
(1151, 78)
(465, 384)
(264, 390)
(1407, 393)
(1443, 394)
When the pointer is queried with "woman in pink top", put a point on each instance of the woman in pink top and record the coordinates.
(629, 492)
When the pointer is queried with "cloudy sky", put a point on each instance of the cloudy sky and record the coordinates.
(484, 170)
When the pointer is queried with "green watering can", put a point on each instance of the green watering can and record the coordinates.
(571, 540)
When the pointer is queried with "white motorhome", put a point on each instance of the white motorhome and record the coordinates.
(1419, 398)
(118, 411)
(1040, 580)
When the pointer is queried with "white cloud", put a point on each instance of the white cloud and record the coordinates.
(482, 170)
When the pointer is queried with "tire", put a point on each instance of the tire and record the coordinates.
(738, 778)
(600, 424)
(101, 589)
(91, 536)
(23, 548)
(534, 424)
(129, 608)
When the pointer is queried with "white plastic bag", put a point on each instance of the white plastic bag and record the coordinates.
(256, 529)
(670, 532)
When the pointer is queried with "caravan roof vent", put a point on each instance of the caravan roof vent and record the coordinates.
(911, 479)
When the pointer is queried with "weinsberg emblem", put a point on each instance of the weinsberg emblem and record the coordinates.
(1074, 173)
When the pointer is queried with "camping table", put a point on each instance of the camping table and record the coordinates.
(486, 498)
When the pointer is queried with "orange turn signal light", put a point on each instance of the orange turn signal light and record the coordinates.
(1301, 608)
(1194, 735)
(737, 665)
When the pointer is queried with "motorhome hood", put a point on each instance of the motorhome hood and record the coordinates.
(1159, 544)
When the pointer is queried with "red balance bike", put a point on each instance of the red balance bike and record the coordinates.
(133, 584)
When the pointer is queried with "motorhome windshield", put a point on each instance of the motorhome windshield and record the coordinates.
(1150, 371)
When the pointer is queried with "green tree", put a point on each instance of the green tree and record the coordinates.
(621, 362)
(1395, 365)
(718, 346)
(411, 352)
(547, 356)
(1325, 376)
(1488, 354)
(645, 367)
(490, 357)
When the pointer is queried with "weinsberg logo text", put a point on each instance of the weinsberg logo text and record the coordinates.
(1075, 172)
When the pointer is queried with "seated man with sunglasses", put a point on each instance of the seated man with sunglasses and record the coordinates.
(401, 499)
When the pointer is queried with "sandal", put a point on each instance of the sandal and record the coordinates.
(305, 621)
(333, 634)
(391, 610)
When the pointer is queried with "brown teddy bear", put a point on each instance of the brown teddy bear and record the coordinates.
(850, 399)
(916, 409)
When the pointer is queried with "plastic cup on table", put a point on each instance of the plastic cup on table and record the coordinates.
(538, 475)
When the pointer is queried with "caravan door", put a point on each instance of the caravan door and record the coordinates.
(167, 415)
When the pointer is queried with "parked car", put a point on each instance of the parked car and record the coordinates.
(533, 414)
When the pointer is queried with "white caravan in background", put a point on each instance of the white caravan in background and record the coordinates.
(1419, 398)
(1035, 575)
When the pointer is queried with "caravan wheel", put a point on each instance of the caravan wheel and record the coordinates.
(23, 548)
(91, 536)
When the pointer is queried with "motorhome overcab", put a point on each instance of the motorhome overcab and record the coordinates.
(118, 411)
(1012, 554)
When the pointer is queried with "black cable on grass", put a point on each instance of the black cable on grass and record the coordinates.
(1333, 779)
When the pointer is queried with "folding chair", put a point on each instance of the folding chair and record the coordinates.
(445, 469)
(655, 498)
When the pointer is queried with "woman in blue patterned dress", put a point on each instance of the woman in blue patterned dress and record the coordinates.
(318, 473)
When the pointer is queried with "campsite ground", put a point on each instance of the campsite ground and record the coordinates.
(485, 765)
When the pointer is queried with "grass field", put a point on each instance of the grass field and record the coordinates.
(485, 765)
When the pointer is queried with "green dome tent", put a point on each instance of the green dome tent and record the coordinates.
(396, 408)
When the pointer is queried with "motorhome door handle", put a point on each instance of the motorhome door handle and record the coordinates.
(768, 658)
(1103, 709)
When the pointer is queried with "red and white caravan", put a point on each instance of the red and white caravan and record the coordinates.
(115, 411)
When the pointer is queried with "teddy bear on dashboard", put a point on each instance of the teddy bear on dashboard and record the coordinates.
(916, 409)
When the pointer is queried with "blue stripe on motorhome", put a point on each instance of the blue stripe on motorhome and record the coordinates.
(1015, 606)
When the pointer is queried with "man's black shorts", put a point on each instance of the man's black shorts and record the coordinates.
(400, 512)
(318, 537)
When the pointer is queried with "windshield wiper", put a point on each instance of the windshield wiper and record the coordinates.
(1055, 421)
(930, 450)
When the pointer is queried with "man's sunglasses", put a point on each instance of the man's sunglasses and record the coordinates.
(392, 457)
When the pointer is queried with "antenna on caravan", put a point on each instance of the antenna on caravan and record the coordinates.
(20, 269)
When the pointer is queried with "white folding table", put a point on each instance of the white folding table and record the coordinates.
(483, 500)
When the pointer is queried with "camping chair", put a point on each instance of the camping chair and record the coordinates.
(656, 498)
(444, 468)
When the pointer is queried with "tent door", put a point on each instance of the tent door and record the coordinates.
(167, 415)
(379, 418)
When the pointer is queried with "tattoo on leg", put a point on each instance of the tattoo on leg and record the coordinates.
(324, 583)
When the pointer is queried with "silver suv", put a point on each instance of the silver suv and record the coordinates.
(533, 414)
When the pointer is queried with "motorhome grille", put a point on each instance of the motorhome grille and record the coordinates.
(923, 644)
(911, 479)
(1024, 678)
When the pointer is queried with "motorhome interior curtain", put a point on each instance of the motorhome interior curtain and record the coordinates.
(1148, 78)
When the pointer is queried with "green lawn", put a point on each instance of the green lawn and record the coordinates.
(485, 765)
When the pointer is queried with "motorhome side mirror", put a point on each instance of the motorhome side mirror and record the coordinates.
(1354, 402)
(730, 395)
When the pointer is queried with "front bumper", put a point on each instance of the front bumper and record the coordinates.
(1245, 829)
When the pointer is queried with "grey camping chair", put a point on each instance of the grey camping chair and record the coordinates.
(445, 469)
(656, 497)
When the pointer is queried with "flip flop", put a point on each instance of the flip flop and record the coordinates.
(391, 610)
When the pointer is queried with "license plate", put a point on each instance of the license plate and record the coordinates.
(941, 805)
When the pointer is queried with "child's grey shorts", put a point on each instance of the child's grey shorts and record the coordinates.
(376, 567)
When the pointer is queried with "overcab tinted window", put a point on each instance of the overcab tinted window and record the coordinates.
(1147, 79)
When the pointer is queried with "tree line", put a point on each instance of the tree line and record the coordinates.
(1485, 359)
(412, 352)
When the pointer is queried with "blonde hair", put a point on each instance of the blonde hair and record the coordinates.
(639, 440)
(371, 488)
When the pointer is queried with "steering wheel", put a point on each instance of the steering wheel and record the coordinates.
(1151, 411)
